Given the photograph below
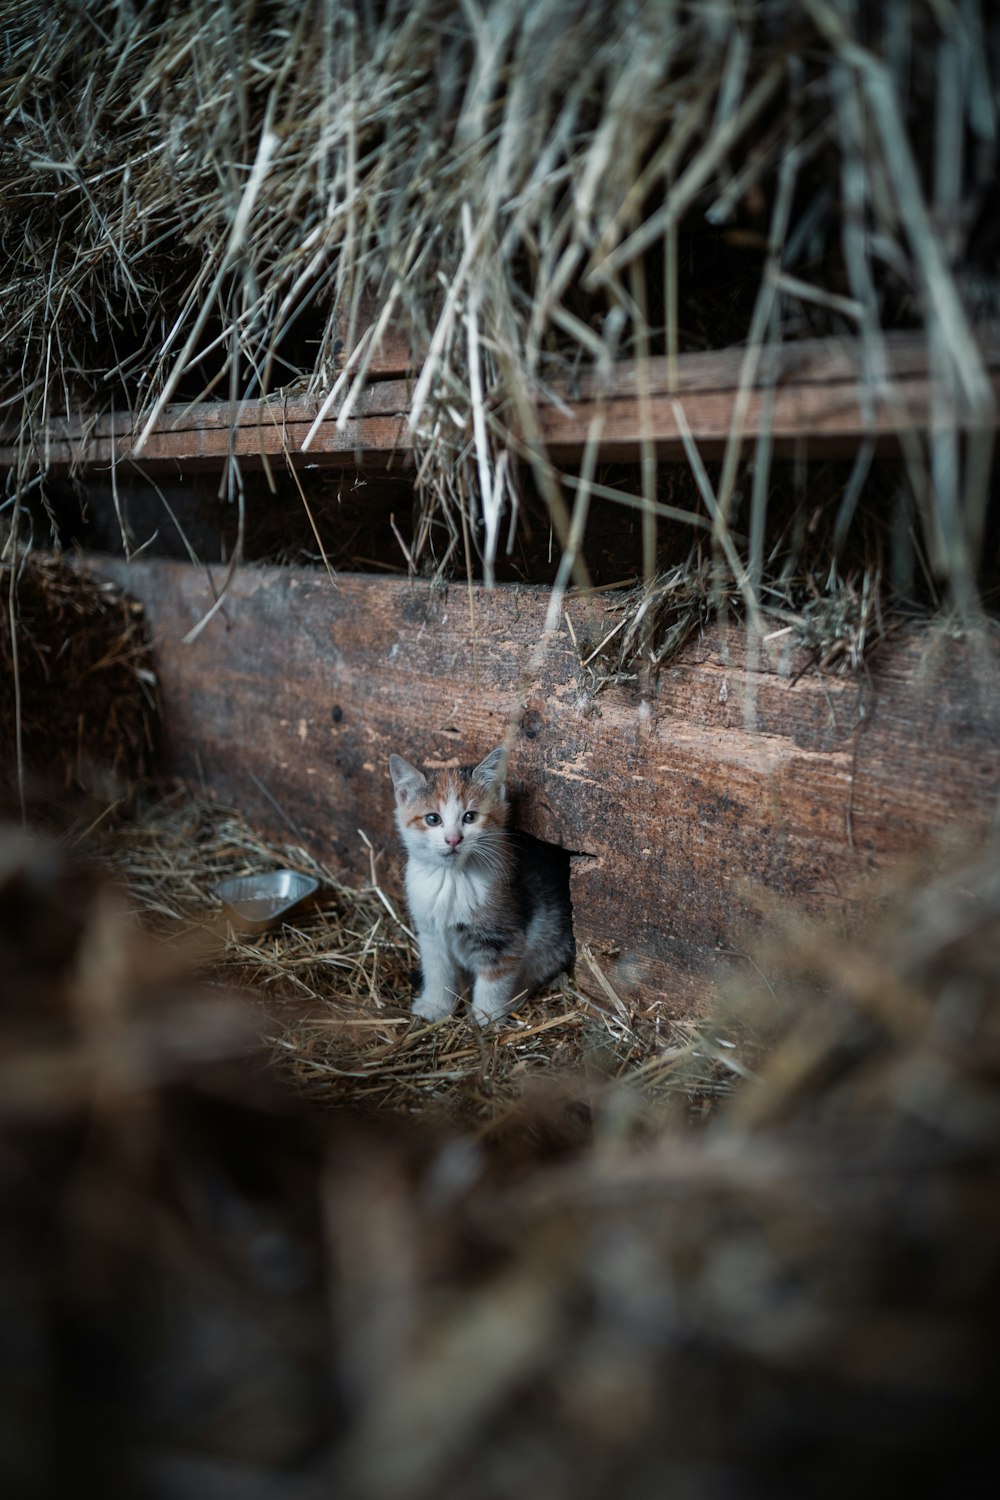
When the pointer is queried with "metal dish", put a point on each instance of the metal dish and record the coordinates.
(256, 902)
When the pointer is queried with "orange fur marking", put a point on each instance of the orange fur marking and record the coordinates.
(501, 970)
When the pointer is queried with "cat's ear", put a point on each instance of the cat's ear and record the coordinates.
(491, 771)
(408, 781)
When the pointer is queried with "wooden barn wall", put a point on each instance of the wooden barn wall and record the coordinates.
(300, 687)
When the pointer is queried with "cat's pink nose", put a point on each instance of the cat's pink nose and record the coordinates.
(453, 839)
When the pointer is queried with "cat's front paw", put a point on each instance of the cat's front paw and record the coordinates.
(485, 1015)
(494, 999)
(431, 1007)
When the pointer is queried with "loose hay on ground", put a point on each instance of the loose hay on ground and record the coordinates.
(335, 983)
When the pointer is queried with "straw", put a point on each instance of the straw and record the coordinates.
(538, 187)
(335, 983)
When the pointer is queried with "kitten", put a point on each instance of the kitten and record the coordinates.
(487, 903)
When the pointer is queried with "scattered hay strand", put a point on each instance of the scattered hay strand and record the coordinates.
(336, 982)
(540, 186)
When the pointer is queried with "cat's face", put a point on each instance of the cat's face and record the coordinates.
(451, 815)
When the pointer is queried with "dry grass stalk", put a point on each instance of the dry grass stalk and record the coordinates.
(198, 199)
(336, 981)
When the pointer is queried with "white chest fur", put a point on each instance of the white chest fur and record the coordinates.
(440, 898)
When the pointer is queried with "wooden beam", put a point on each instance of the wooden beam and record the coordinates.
(827, 409)
(195, 437)
(296, 693)
(814, 392)
(200, 437)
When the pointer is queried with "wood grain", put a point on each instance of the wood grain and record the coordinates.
(297, 692)
(399, 350)
(828, 417)
(814, 392)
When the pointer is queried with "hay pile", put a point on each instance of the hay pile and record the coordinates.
(190, 199)
(209, 1294)
(77, 686)
(336, 982)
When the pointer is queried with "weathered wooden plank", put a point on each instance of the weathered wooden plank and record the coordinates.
(304, 687)
(398, 351)
(815, 392)
(363, 440)
(824, 361)
(281, 414)
(829, 417)
(200, 436)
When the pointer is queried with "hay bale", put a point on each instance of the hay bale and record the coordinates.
(78, 693)
(199, 201)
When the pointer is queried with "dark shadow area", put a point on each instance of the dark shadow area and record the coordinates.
(818, 525)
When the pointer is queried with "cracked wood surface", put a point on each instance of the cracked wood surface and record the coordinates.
(300, 688)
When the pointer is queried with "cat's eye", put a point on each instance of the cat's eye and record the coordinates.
(432, 819)
(470, 816)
